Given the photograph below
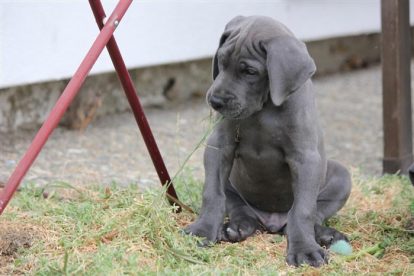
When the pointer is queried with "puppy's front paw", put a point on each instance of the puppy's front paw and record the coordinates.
(205, 230)
(315, 256)
(240, 229)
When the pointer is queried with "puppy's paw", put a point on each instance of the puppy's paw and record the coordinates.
(204, 230)
(326, 236)
(315, 257)
(239, 229)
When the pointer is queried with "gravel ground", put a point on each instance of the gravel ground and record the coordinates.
(111, 149)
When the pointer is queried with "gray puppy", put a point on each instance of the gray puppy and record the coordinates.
(265, 163)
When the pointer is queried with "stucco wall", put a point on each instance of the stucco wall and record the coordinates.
(45, 40)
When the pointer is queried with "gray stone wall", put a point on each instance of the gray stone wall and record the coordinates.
(27, 106)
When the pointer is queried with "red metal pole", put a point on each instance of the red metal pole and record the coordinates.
(63, 102)
(136, 106)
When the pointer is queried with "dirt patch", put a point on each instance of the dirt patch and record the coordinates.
(13, 238)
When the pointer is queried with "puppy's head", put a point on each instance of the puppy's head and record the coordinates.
(257, 58)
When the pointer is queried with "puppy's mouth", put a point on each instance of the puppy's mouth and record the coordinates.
(235, 115)
(228, 108)
(234, 112)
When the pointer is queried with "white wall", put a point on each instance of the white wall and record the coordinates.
(44, 40)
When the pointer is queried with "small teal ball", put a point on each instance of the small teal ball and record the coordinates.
(341, 247)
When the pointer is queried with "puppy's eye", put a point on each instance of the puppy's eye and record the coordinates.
(250, 71)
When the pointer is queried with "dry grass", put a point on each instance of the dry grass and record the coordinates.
(111, 231)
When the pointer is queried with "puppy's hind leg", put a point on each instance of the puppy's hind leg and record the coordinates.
(330, 200)
(243, 222)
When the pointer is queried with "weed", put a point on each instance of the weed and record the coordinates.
(113, 230)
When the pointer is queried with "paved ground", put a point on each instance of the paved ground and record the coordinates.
(111, 148)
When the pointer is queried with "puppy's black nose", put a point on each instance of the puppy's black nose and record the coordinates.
(216, 102)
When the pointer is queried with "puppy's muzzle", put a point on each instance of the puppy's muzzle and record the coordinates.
(219, 102)
(216, 102)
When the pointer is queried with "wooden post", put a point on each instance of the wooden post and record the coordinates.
(396, 86)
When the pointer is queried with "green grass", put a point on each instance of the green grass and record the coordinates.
(112, 231)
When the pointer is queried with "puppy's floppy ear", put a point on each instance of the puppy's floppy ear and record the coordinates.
(223, 38)
(289, 66)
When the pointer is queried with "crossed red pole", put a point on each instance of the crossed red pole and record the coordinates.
(105, 38)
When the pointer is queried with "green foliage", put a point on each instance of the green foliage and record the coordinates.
(113, 230)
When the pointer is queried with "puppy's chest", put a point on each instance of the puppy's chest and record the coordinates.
(259, 140)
